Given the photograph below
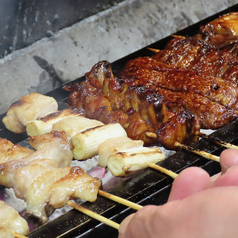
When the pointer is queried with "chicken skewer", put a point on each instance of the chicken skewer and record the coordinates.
(28, 174)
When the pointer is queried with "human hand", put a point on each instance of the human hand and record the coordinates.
(198, 206)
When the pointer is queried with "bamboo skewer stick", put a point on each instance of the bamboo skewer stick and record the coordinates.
(94, 215)
(120, 200)
(163, 170)
(199, 152)
(219, 142)
(153, 50)
(214, 139)
(191, 149)
(17, 235)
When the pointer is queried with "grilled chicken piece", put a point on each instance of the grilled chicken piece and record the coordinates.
(54, 145)
(11, 220)
(25, 175)
(51, 188)
(183, 129)
(223, 30)
(192, 53)
(10, 151)
(210, 115)
(151, 73)
(28, 108)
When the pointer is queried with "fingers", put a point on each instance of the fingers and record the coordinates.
(228, 158)
(229, 178)
(138, 225)
(124, 225)
(189, 181)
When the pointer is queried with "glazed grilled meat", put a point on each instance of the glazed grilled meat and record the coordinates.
(223, 31)
(211, 115)
(137, 108)
(98, 106)
(194, 54)
(149, 72)
(193, 81)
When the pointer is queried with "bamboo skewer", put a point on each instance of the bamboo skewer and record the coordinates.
(153, 50)
(94, 215)
(219, 142)
(17, 235)
(191, 149)
(120, 200)
(163, 170)
(199, 152)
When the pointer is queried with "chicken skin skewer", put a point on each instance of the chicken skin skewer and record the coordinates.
(41, 177)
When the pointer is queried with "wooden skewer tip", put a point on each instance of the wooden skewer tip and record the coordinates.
(153, 50)
(17, 235)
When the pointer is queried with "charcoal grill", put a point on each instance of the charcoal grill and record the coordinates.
(145, 187)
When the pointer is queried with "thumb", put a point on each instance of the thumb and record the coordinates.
(188, 182)
(124, 225)
(228, 158)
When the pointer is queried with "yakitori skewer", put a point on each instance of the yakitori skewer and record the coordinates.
(94, 215)
(199, 152)
(17, 235)
(218, 141)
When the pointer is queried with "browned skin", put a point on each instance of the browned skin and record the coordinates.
(211, 115)
(195, 54)
(151, 73)
(176, 126)
(137, 108)
(223, 31)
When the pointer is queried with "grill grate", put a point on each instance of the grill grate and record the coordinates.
(145, 187)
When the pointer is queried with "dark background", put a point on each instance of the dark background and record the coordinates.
(22, 22)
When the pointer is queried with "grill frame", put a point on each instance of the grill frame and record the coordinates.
(145, 187)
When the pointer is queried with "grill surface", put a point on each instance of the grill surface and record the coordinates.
(146, 187)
